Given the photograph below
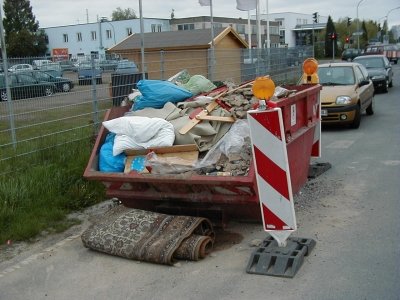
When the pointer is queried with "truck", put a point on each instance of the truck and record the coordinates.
(392, 52)
(220, 198)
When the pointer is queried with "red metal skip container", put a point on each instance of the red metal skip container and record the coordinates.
(216, 197)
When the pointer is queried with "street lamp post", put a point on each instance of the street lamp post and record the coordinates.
(358, 26)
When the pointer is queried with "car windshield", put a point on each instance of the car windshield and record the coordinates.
(336, 75)
(371, 62)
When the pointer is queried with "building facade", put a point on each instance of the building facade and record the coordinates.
(96, 38)
(286, 29)
(294, 28)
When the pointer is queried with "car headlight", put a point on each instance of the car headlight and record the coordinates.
(378, 77)
(343, 100)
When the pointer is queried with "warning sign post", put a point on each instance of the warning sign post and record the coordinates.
(283, 138)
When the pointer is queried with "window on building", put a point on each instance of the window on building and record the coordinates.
(108, 34)
(186, 27)
(65, 38)
(282, 37)
(240, 28)
(217, 25)
(94, 35)
(128, 31)
(159, 27)
(94, 54)
(304, 21)
(280, 22)
(298, 21)
(79, 36)
(273, 30)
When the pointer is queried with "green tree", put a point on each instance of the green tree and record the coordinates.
(123, 14)
(364, 38)
(22, 34)
(329, 44)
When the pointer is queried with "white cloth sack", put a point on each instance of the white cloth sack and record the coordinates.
(140, 133)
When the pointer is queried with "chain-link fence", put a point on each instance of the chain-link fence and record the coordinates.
(47, 102)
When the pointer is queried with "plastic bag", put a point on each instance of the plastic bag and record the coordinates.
(180, 78)
(155, 93)
(231, 143)
(198, 84)
(107, 161)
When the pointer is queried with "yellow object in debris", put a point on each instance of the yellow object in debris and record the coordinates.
(263, 87)
(310, 68)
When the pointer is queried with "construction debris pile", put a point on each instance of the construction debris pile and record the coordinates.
(185, 125)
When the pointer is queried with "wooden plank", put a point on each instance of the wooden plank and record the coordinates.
(217, 118)
(209, 108)
(193, 122)
(159, 150)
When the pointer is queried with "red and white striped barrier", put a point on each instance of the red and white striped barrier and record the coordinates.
(316, 147)
(272, 173)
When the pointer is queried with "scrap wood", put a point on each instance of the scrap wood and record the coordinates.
(210, 107)
(201, 114)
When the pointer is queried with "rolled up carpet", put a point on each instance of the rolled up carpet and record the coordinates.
(149, 236)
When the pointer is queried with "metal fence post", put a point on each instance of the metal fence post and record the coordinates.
(162, 61)
(94, 97)
(8, 91)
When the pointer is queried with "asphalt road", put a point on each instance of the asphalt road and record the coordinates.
(352, 211)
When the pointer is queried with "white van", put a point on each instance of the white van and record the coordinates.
(38, 63)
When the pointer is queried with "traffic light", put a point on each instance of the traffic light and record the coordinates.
(333, 36)
(347, 39)
(315, 17)
(348, 22)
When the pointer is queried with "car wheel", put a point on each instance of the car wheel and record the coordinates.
(357, 118)
(66, 87)
(370, 108)
(3, 95)
(48, 91)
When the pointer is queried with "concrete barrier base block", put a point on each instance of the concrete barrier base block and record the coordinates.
(272, 260)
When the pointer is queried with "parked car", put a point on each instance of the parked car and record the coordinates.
(85, 73)
(54, 68)
(25, 86)
(126, 67)
(62, 84)
(20, 67)
(108, 64)
(68, 65)
(379, 70)
(350, 53)
(38, 63)
(346, 93)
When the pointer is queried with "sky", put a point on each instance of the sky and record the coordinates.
(51, 13)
